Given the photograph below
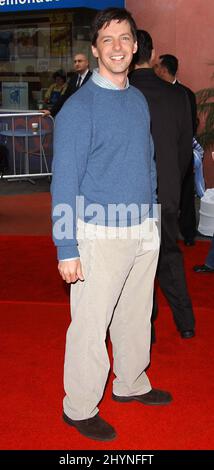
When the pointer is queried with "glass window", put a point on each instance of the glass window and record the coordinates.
(33, 46)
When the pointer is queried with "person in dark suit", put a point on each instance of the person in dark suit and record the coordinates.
(167, 70)
(78, 78)
(172, 134)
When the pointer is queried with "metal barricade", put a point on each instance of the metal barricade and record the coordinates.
(28, 138)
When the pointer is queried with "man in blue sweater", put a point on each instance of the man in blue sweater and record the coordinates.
(103, 189)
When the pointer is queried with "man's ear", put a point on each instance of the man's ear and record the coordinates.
(94, 51)
(135, 48)
(153, 55)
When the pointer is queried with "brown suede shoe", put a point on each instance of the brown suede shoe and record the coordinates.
(154, 397)
(94, 428)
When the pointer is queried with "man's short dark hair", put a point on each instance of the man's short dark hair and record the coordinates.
(104, 17)
(170, 62)
(145, 46)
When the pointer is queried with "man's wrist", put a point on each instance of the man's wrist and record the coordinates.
(67, 252)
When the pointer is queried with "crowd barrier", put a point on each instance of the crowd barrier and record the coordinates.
(27, 141)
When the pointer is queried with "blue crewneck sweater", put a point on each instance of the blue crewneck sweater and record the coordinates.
(103, 151)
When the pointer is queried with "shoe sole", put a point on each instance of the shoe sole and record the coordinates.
(192, 335)
(68, 421)
(129, 399)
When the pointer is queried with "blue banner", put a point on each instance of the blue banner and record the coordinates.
(27, 5)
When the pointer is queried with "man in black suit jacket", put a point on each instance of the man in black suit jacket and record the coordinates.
(172, 133)
(167, 70)
(77, 79)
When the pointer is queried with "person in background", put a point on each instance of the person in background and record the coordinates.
(103, 152)
(198, 154)
(81, 67)
(172, 133)
(208, 266)
(57, 88)
(166, 69)
(78, 78)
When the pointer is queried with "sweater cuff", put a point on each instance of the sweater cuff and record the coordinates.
(64, 252)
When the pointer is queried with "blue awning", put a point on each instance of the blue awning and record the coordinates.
(26, 5)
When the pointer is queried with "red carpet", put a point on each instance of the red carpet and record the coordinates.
(34, 318)
(32, 351)
(30, 273)
(29, 268)
(25, 214)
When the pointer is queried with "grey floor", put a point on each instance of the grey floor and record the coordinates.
(14, 187)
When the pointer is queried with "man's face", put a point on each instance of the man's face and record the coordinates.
(60, 81)
(114, 49)
(80, 63)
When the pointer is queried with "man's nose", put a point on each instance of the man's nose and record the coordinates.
(117, 44)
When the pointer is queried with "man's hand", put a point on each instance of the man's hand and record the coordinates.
(71, 270)
(45, 112)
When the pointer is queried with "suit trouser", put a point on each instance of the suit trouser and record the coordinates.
(187, 217)
(171, 274)
(117, 290)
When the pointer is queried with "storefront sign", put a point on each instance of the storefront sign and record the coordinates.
(26, 5)
(15, 95)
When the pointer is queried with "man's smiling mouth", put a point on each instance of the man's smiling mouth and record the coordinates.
(117, 57)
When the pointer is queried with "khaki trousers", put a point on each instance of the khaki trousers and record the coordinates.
(119, 270)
